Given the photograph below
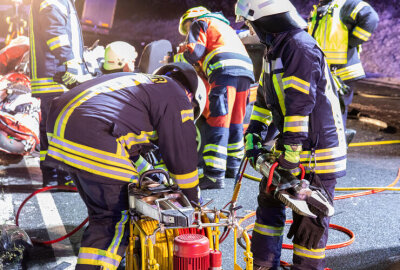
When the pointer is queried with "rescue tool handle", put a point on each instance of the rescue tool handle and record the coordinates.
(271, 174)
(151, 172)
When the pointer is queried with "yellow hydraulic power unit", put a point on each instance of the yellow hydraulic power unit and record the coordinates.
(167, 233)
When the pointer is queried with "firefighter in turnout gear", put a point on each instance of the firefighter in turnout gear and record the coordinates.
(214, 47)
(56, 47)
(297, 94)
(340, 28)
(96, 131)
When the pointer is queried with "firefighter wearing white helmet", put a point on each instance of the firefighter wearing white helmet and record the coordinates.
(297, 95)
(119, 56)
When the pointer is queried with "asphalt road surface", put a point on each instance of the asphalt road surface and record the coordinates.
(374, 219)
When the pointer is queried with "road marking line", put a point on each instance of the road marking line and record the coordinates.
(6, 209)
(63, 251)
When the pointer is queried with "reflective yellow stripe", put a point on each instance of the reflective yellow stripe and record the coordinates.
(85, 164)
(296, 123)
(296, 83)
(43, 154)
(361, 33)
(215, 162)
(357, 9)
(94, 256)
(32, 47)
(58, 41)
(107, 86)
(323, 154)
(119, 233)
(350, 72)
(309, 253)
(188, 180)
(225, 49)
(55, 3)
(326, 167)
(131, 139)
(180, 58)
(262, 115)
(187, 115)
(268, 230)
(215, 148)
(277, 80)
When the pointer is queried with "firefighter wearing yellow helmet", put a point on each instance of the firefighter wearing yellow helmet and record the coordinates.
(214, 47)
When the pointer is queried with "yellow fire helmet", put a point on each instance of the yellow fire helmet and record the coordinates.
(190, 14)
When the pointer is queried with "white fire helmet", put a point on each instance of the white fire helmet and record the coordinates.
(118, 54)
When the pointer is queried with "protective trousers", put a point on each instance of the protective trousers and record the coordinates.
(45, 102)
(223, 147)
(105, 239)
(266, 243)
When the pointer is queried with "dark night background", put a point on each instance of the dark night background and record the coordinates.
(142, 21)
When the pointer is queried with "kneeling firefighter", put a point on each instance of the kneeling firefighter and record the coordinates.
(97, 129)
(297, 93)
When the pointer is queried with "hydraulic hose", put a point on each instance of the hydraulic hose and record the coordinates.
(49, 242)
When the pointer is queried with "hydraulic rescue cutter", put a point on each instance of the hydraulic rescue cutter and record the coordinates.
(297, 194)
(170, 233)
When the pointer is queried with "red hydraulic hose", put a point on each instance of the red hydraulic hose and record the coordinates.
(43, 190)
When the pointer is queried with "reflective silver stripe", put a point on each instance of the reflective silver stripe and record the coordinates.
(91, 166)
(119, 233)
(309, 253)
(86, 152)
(215, 148)
(101, 259)
(268, 230)
(215, 162)
(326, 167)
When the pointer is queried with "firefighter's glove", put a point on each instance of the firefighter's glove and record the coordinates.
(253, 147)
(73, 74)
(290, 158)
(307, 231)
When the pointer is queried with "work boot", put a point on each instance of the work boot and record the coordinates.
(207, 182)
(49, 176)
(63, 179)
(349, 133)
(231, 172)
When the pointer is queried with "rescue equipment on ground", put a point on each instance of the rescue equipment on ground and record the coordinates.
(19, 115)
(179, 236)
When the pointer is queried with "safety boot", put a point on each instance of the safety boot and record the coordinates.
(231, 172)
(207, 182)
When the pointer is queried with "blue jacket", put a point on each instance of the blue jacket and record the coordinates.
(101, 126)
(55, 37)
(296, 92)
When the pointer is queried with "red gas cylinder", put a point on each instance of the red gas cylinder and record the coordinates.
(215, 260)
(191, 252)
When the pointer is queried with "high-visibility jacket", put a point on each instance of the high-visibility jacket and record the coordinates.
(297, 93)
(55, 38)
(340, 27)
(213, 44)
(101, 126)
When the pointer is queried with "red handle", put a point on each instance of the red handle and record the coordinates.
(271, 174)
